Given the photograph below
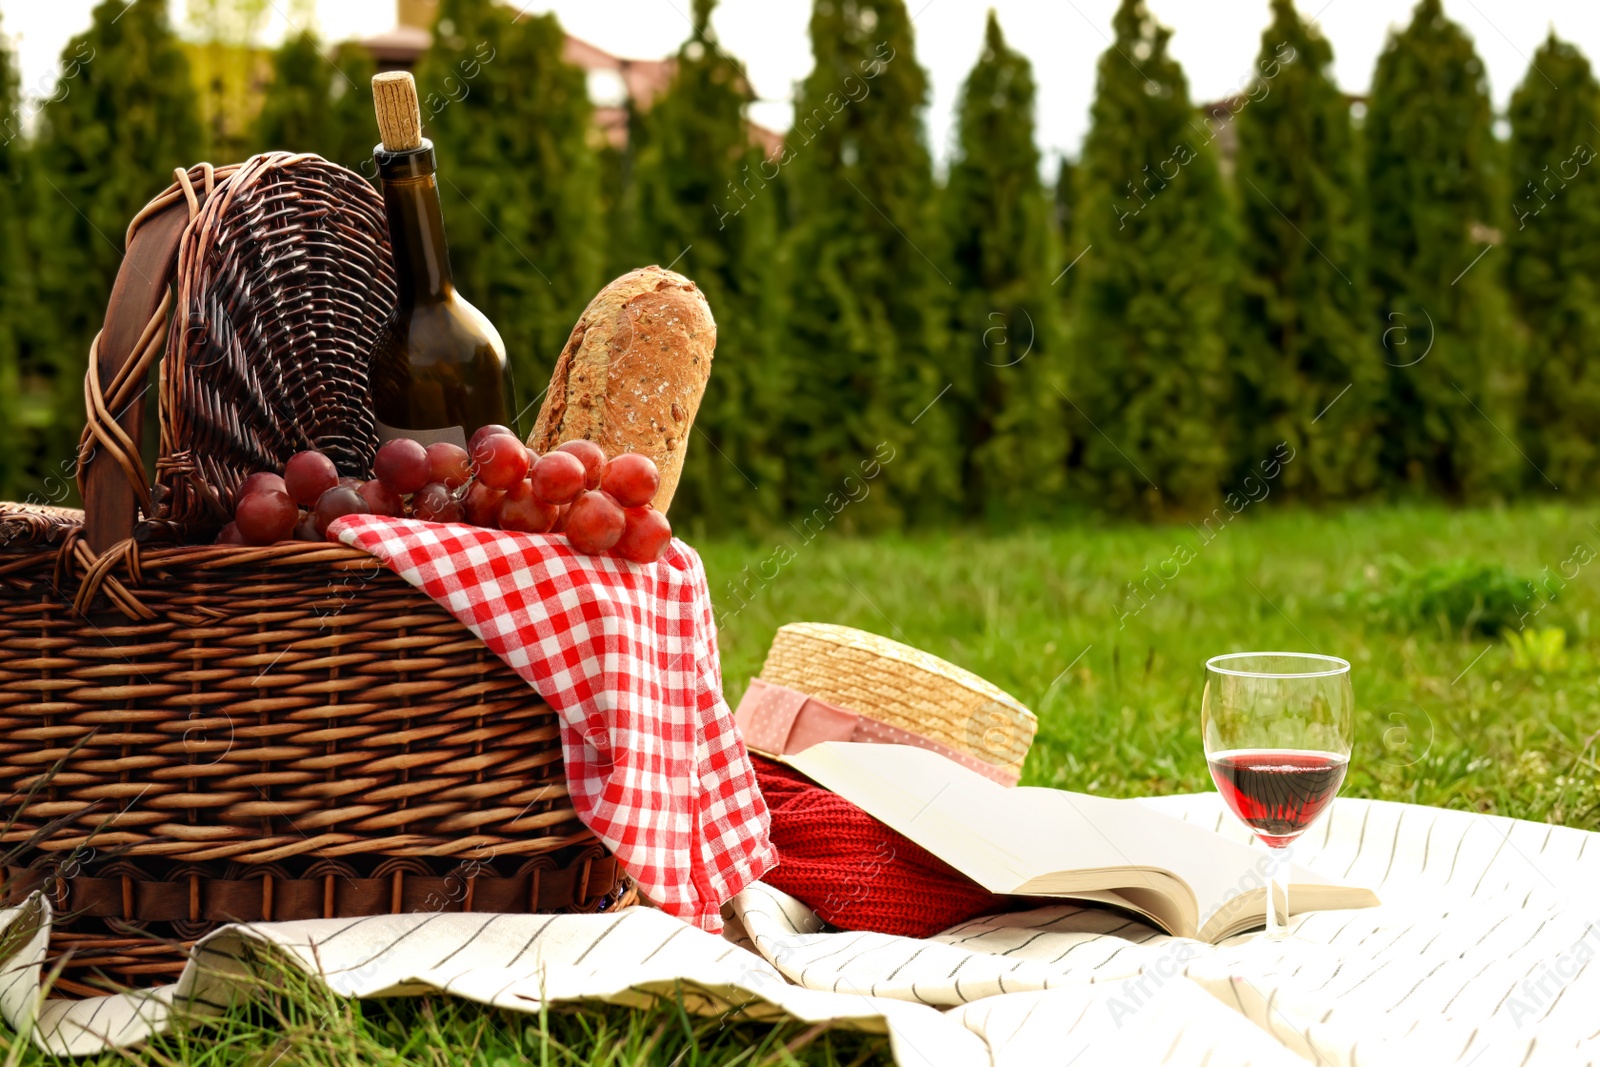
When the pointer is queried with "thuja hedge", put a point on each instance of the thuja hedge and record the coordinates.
(1394, 290)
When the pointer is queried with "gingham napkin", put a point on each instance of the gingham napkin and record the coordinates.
(627, 656)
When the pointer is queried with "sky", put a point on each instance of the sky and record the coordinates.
(1215, 40)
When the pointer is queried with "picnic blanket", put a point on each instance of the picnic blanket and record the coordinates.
(1482, 955)
(626, 654)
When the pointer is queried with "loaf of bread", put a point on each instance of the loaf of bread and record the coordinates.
(632, 373)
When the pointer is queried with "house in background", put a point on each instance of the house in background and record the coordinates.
(1215, 123)
(614, 82)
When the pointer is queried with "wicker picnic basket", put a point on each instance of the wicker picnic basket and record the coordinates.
(192, 734)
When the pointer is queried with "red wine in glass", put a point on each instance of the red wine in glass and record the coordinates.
(1277, 728)
(1278, 793)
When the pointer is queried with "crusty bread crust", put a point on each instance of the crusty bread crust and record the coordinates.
(632, 373)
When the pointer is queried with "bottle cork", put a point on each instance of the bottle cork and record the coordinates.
(394, 97)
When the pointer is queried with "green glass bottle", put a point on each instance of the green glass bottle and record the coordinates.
(440, 371)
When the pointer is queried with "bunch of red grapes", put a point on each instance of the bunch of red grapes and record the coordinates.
(497, 483)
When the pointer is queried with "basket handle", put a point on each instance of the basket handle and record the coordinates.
(111, 475)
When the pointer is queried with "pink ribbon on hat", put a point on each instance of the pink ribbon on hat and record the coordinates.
(780, 721)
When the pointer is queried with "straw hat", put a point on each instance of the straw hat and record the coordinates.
(900, 694)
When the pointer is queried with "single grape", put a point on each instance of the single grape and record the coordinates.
(482, 505)
(632, 478)
(230, 535)
(336, 503)
(306, 528)
(449, 464)
(435, 503)
(402, 465)
(595, 523)
(265, 516)
(381, 500)
(645, 535)
(558, 478)
(522, 510)
(259, 480)
(308, 475)
(483, 432)
(593, 458)
(502, 461)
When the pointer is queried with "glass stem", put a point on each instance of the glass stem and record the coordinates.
(1278, 889)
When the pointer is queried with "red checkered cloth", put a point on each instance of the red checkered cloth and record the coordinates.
(627, 656)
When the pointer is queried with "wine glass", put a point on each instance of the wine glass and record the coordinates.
(1277, 729)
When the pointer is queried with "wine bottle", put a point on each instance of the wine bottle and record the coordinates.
(440, 371)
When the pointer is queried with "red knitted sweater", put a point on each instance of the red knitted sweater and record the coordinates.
(855, 872)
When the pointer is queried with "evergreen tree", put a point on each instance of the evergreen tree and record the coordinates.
(1436, 205)
(319, 103)
(1307, 342)
(353, 132)
(1006, 327)
(1151, 301)
(1064, 281)
(15, 282)
(691, 146)
(623, 242)
(225, 63)
(295, 114)
(1065, 193)
(518, 177)
(870, 307)
(1553, 245)
(108, 141)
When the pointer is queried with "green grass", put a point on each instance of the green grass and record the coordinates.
(1447, 715)
(291, 1023)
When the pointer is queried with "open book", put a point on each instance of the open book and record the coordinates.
(1051, 843)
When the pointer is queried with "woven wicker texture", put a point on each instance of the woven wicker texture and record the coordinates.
(902, 686)
(284, 705)
(285, 701)
(284, 284)
(35, 524)
(131, 922)
(230, 721)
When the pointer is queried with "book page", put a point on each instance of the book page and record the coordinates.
(1051, 842)
(1000, 838)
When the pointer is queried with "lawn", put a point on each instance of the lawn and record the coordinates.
(1450, 713)
(1444, 718)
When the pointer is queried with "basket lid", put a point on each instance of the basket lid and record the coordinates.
(281, 282)
(285, 283)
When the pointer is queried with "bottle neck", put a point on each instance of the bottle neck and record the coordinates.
(416, 226)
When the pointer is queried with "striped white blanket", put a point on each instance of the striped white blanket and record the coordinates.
(1480, 955)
